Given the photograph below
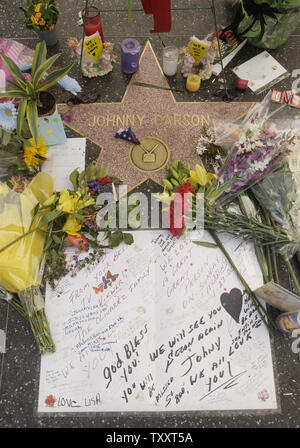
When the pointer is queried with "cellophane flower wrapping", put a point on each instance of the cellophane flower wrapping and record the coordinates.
(258, 149)
(20, 262)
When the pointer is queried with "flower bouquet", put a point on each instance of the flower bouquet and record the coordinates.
(41, 16)
(22, 239)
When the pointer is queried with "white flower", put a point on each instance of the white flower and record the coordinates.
(8, 116)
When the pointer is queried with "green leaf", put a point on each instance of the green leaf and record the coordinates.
(115, 238)
(56, 239)
(128, 238)
(16, 86)
(13, 93)
(6, 137)
(54, 77)
(21, 115)
(13, 68)
(39, 57)
(49, 217)
(32, 119)
(206, 244)
(74, 179)
(41, 70)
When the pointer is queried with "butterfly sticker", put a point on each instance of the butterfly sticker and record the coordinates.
(106, 281)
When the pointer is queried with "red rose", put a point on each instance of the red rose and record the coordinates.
(50, 400)
(185, 188)
(104, 180)
(176, 221)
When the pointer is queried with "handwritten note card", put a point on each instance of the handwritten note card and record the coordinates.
(63, 159)
(161, 325)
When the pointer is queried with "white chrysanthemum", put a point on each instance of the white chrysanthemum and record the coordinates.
(8, 116)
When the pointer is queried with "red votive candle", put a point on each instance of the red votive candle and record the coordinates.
(93, 22)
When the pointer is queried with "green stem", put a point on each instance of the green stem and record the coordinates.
(257, 304)
(83, 32)
(292, 272)
(275, 266)
(18, 239)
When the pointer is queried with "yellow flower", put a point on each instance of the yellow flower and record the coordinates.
(38, 15)
(72, 226)
(37, 7)
(33, 20)
(42, 22)
(51, 27)
(49, 201)
(69, 203)
(31, 152)
(30, 156)
(201, 177)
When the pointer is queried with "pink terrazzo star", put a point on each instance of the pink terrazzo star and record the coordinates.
(148, 112)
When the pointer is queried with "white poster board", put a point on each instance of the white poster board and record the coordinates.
(167, 329)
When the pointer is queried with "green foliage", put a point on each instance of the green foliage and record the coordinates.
(28, 91)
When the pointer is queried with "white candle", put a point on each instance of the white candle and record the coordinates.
(170, 60)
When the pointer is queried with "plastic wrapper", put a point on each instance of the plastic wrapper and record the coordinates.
(260, 148)
(21, 256)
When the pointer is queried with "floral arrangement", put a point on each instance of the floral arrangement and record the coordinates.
(202, 66)
(40, 15)
(36, 228)
(258, 151)
(92, 68)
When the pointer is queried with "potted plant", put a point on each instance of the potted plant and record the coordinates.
(41, 16)
(33, 94)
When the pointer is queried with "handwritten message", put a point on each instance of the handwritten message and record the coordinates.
(161, 325)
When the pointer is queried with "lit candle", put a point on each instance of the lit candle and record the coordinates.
(130, 55)
(193, 83)
(170, 60)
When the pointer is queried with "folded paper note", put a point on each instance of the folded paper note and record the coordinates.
(262, 72)
(51, 128)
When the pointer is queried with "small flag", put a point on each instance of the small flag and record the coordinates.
(127, 134)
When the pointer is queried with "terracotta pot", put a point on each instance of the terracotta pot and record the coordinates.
(45, 97)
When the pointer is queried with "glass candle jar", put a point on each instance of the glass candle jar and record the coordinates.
(93, 22)
(170, 60)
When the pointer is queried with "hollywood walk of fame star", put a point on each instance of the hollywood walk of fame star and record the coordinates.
(166, 128)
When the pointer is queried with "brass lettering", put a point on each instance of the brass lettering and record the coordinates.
(186, 120)
(129, 121)
(94, 124)
(112, 120)
(168, 121)
(203, 119)
(155, 119)
(177, 118)
(98, 120)
(140, 119)
(121, 121)
(197, 120)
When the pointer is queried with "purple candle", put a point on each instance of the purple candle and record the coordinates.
(130, 55)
